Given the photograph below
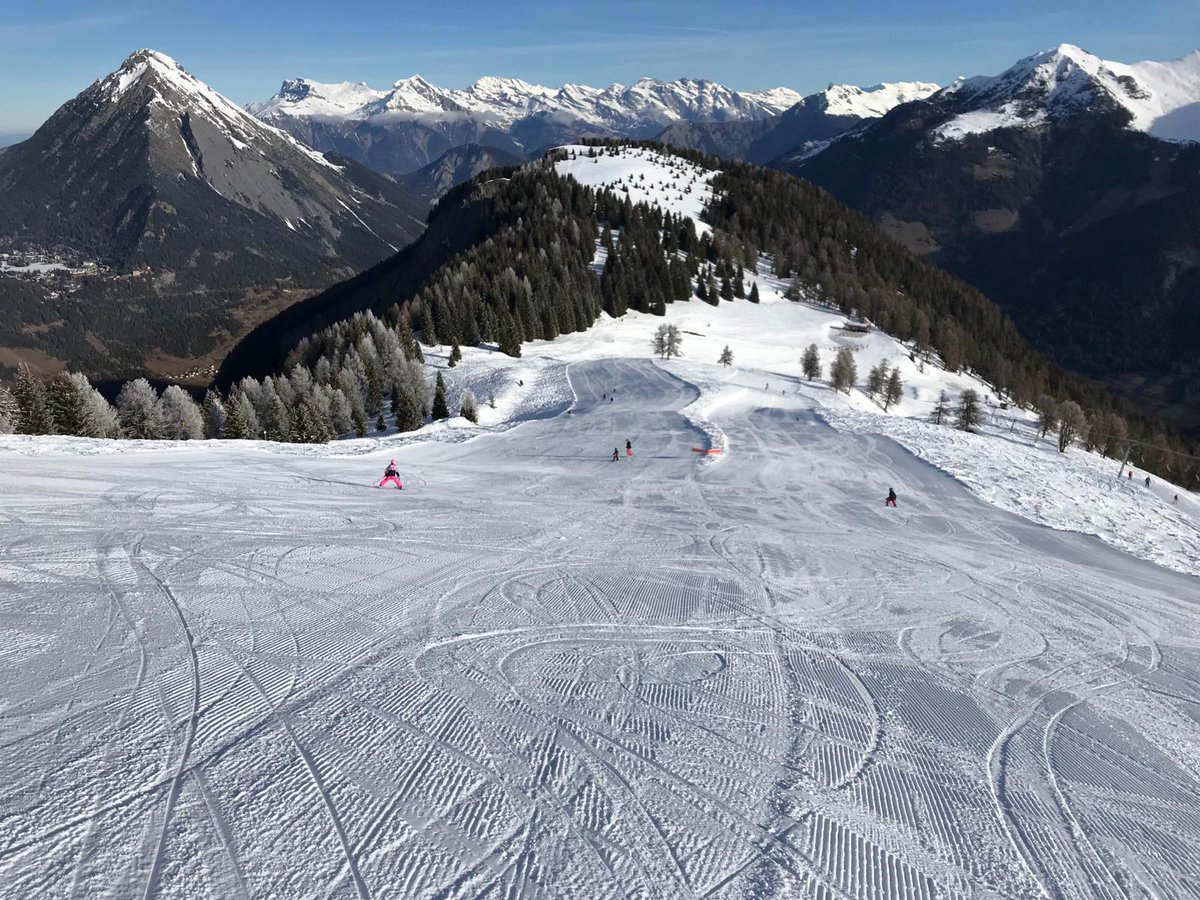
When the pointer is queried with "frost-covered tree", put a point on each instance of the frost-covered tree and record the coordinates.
(273, 413)
(470, 411)
(969, 414)
(137, 410)
(810, 362)
(241, 421)
(1072, 423)
(9, 411)
(309, 424)
(32, 404)
(440, 409)
(80, 409)
(213, 413)
(843, 372)
(178, 415)
(893, 390)
(726, 357)
(341, 415)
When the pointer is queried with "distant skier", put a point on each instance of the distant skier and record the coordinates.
(616, 454)
(1147, 481)
(391, 474)
(891, 498)
(628, 449)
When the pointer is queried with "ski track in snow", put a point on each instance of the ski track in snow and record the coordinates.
(538, 673)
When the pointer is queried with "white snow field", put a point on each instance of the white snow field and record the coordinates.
(239, 670)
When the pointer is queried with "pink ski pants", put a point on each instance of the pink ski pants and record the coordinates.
(387, 478)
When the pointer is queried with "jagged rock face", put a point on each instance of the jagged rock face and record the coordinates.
(409, 126)
(180, 194)
(148, 156)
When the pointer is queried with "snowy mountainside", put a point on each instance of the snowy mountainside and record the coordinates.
(1159, 98)
(643, 174)
(875, 100)
(1080, 494)
(814, 119)
(305, 97)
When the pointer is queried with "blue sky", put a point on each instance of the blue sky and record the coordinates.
(51, 51)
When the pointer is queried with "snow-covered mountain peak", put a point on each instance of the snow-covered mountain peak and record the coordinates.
(302, 96)
(504, 100)
(876, 100)
(1161, 98)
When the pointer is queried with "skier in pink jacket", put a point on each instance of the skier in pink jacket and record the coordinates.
(391, 474)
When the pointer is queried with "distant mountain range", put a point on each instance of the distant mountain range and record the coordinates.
(190, 211)
(408, 126)
(1067, 188)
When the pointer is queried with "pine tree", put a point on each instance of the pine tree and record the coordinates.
(10, 413)
(674, 342)
(408, 412)
(726, 357)
(33, 407)
(844, 372)
(810, 363)
(876, 378)
(753, 298)
(968, 410)
(941, 409)
(237, 411)
(213, 413)
(469, 410)
(658, 342)
(893, 391)
(68, 407)
(440, 409)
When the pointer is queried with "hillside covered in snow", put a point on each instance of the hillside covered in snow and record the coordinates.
(553, 667)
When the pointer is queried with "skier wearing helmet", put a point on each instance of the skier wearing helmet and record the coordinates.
(391, 474)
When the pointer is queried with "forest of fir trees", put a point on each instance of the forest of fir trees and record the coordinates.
(534, 277)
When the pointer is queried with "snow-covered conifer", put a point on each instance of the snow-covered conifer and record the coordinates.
(137, 410)
(32, 404)
(843, 372)
(810, 363)
(440, 409)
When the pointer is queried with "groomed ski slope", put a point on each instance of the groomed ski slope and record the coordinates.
(231, 671)
(236, 669)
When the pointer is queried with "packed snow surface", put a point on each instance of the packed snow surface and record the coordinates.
(239, 669)
(1162, 98)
